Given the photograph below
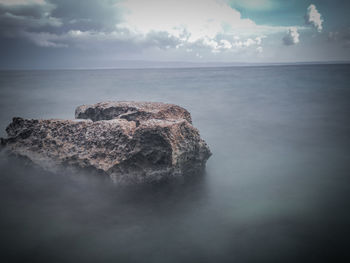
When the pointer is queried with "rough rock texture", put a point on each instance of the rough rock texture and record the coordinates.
(132, 142)
(132, 111)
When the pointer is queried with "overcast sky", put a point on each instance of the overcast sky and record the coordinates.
(109, 33)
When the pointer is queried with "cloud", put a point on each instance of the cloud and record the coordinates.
(18, 18)
(210, 25)
(204, 20)
(163, 24)
(57, 16)
(256, 5)
(206, 28)
(97, 15)
(21, 2)
(341, 37)
(313, 18)
(292, 37)
(43, 39)
(259, 49)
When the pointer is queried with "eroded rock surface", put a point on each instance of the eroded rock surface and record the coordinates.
(132, 142)
(132, 111)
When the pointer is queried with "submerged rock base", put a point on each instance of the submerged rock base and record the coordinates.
(132, 142)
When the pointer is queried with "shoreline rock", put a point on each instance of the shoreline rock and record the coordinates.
(131, 142)
(132, 111)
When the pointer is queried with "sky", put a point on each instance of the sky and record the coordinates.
(121, 33)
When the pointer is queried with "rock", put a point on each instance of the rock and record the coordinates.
(132, 111)
(132, 142)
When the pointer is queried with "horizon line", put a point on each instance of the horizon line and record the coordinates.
(186, 65)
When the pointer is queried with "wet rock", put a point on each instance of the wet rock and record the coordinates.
(132, 142)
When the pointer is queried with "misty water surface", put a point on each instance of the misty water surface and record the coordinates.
(275, 190)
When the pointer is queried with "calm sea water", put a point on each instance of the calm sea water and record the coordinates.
(276, 189)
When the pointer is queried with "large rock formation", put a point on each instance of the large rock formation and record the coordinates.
(132, 142)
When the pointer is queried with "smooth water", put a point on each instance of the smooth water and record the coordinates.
(276, 189)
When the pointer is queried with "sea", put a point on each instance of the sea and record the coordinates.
(276, 188)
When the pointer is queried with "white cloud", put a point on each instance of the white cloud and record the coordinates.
(313, 17)
(259, 40)
(211, 24)
(292, 37)
(249, 42)
(203, 19)
(225, 44)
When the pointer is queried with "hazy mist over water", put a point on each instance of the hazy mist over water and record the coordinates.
(276, 188)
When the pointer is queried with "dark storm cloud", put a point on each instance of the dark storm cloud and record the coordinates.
(55, 18)
(16, 19)
(59, 23)
(81, 24)
(31, 10)
(76, 24)
(100, 15)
